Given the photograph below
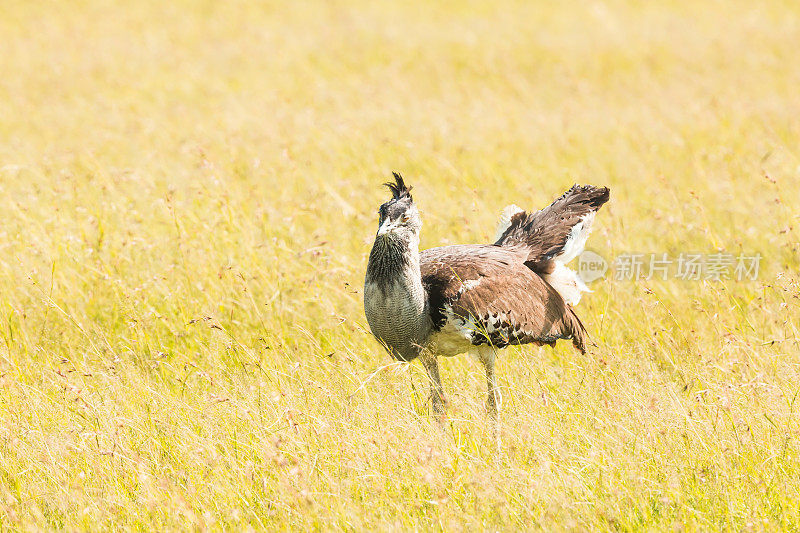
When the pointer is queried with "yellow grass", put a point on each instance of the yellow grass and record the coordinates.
(189, 194)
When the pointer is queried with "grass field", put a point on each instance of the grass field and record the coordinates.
(189, 194)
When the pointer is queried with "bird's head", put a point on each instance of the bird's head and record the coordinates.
(399, 218)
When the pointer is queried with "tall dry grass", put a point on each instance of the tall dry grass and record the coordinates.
(189, 195)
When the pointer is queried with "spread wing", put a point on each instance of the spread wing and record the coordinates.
(488, 292)
(557, 231)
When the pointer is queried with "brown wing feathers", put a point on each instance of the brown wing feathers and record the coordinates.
(496, 293)
(545, 233)
(519, 308)
(489, 290)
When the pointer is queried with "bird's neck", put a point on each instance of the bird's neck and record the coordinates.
(394, 297)
(394, 261)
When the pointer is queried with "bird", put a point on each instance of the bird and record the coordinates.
(477, 298)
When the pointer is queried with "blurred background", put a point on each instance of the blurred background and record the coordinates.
(189, 193)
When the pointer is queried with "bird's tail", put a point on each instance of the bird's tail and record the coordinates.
(555, 236)
(578, 331)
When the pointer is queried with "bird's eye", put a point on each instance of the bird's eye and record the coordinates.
(405, 218)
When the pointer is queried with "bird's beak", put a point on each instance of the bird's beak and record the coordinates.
(386, 227)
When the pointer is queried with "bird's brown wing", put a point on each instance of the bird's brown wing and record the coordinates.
(545, 233)
(489, 290)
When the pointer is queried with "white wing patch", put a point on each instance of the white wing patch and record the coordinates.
(567, 283)
(461, 334)
(577, 239)
(505, 219)
(470, 284)
(563, 279)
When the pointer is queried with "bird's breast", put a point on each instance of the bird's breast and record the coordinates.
(396, 315)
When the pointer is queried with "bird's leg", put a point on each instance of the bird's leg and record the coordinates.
(438, 402)
(493, 399)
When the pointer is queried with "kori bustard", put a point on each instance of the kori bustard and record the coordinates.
(477, 297)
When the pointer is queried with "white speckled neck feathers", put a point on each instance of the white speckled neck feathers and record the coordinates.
(394, 298)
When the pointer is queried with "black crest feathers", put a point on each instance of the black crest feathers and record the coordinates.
(398, 188)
